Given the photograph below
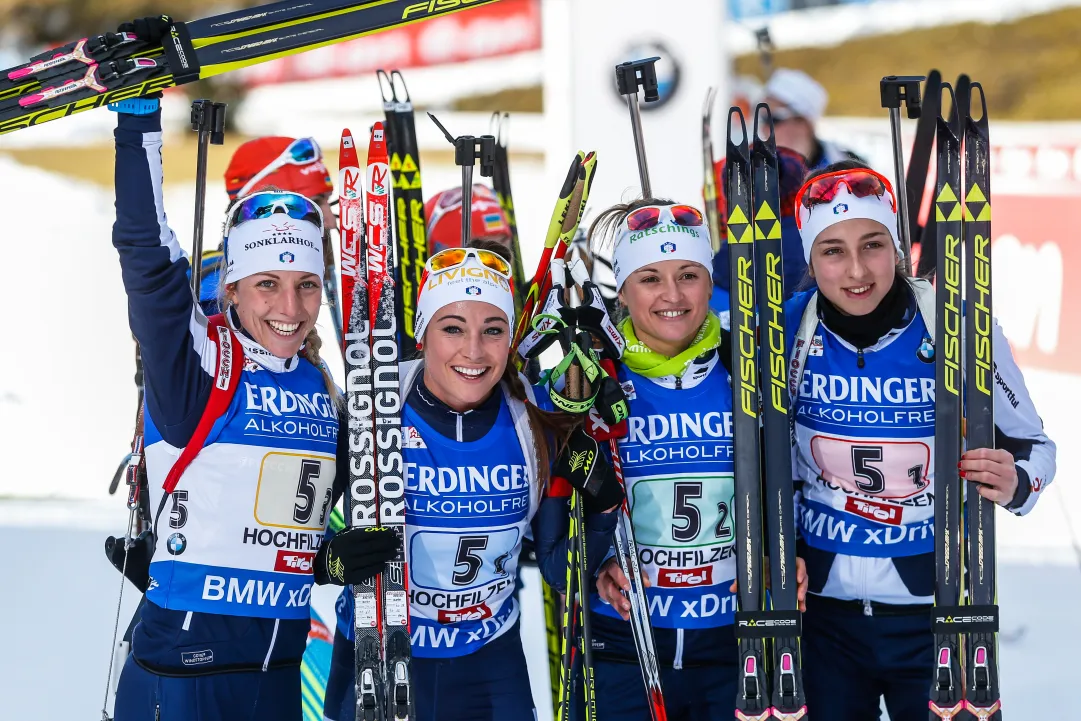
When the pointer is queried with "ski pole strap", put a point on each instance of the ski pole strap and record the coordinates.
(948, 620)
(221, 395)
(607, 397)
(180, 54)
(768, 624)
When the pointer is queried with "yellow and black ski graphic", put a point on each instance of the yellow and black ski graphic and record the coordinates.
(95, 84)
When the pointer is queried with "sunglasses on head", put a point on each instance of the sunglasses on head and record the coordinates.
(651, 216)
(861, 182)
(454, 257)
(301, 151)
(267, 203)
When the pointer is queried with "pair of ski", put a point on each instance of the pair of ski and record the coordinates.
(965, 684)
(410, 231)
(373, 400)
(770, 675)
(93, 72)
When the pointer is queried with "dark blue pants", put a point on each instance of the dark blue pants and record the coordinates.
(851, 661)
(245, 696)
(489, 685)
(701, 693)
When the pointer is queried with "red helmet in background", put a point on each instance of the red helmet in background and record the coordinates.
(295, 165)
(444, 213)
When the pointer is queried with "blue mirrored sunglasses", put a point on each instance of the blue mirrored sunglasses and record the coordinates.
(266, 204)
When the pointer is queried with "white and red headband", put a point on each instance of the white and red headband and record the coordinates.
(469, 281)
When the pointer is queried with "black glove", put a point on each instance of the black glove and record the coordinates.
(587, 469)
(142, 550)
(151, 30)
(355, 555)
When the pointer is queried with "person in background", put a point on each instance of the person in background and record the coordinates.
(444, 216)
(791, 169)
(797, 102)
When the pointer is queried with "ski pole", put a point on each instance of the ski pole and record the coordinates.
(897, 89)
(469, 149)
(629, 76)
(207, 119)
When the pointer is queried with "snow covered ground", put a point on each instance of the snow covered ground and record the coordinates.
(66, 414)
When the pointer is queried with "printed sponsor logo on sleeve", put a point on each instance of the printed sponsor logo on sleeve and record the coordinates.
(881, 512)
(294, 562)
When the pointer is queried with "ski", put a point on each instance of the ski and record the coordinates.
(410, 230)
(709, 178)
(982, 701)
(363, 496)
(947, 687)
(788, 702)
(566, 216)
(397, 671)
(919, 164)
(79, 86)
(752, 694)
(399, 234)
(501, 185)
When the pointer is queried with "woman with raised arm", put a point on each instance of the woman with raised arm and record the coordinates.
(244, 452)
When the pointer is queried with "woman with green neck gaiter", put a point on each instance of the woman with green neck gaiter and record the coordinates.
(678, 468)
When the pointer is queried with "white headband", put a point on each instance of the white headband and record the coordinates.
(469, 281)
(665, 241)
(845, 206)
(274, 243)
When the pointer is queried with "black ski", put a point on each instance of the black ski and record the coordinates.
(752, 696)
(501, 185)
(399, 231)
(982, 701)
(947, 688)
(919, 164)
(130, 69)
(786, 676)
(411, 232)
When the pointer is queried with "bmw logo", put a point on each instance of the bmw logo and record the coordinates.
(472, 290)
(286, 257)
(176, 544)
(668, 70)
(840, 208)
(926, 351)
(668, 247)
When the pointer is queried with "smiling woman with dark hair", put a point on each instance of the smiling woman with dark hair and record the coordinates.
(864, 403)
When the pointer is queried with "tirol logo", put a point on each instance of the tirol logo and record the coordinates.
(472, 290)
(294, 562)
(668, 70)
(287, 257)
(685, 577)
(176, 544)
(668, 247)
(926, 351)
(840, 208)
(881, 512)
(471, 613)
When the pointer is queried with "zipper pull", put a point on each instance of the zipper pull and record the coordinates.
(867, 610)
(860, 364)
